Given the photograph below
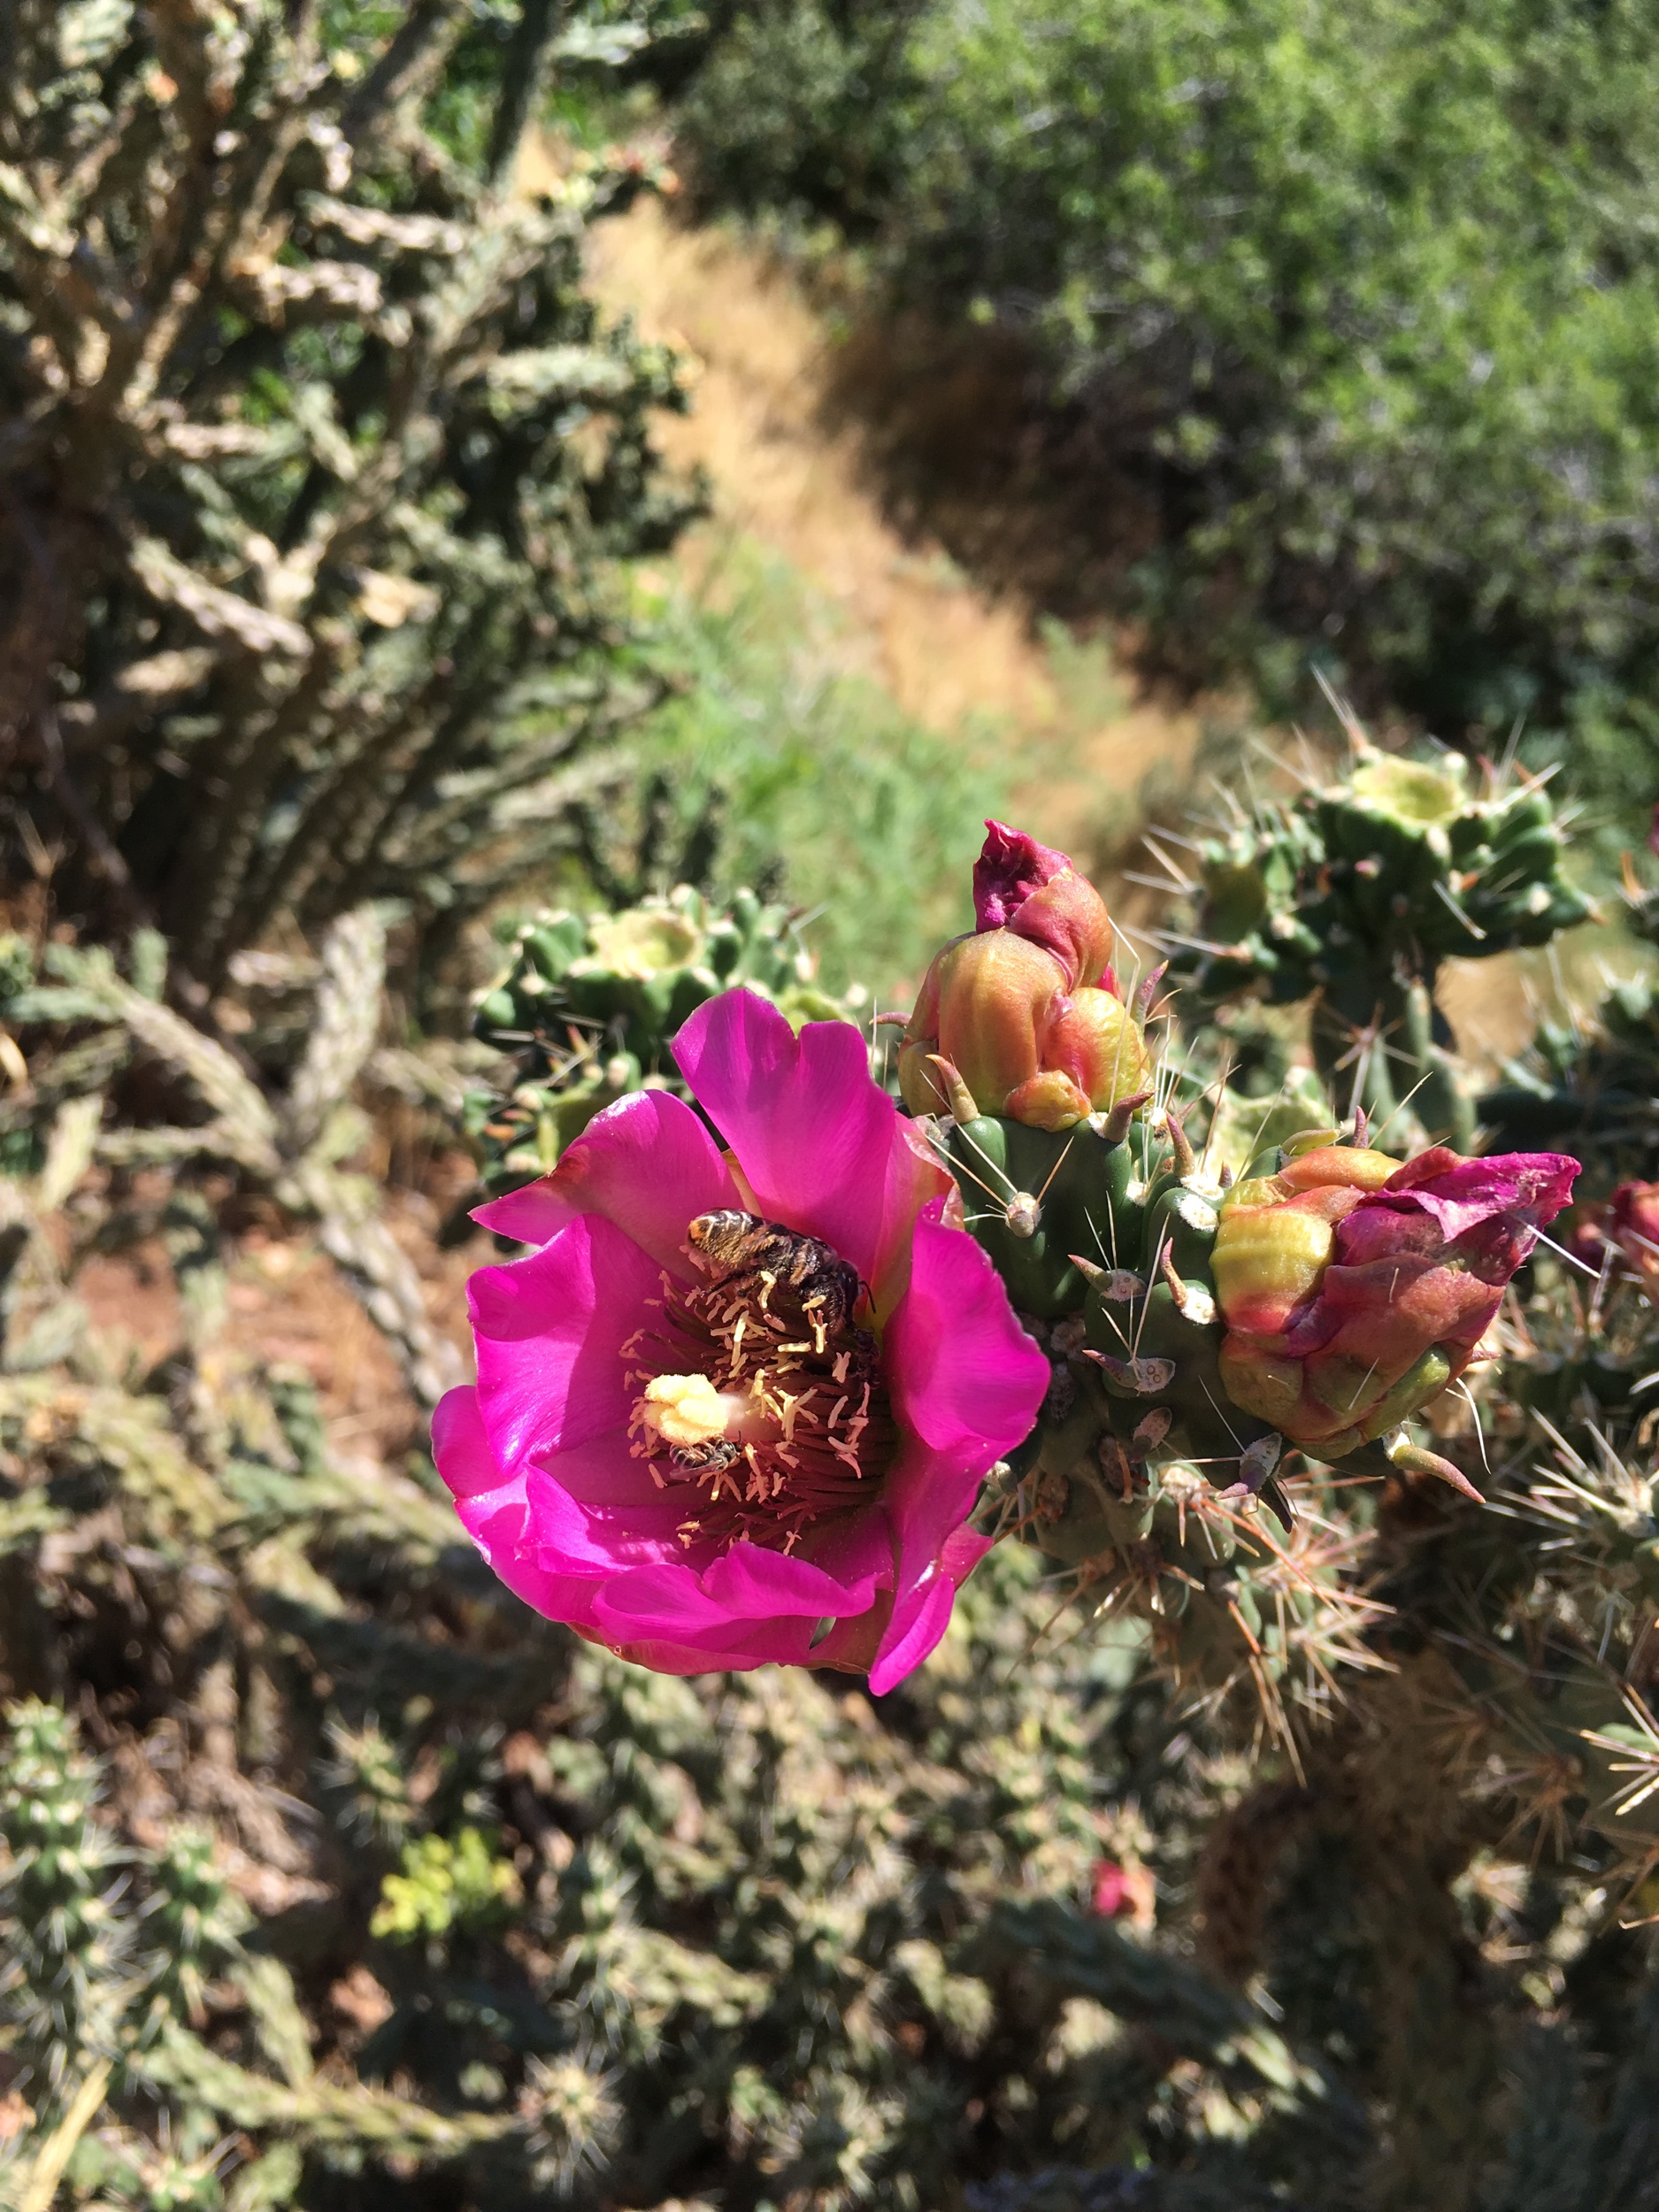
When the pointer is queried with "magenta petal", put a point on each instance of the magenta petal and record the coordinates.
(855, 1548)
(549, 1331)
(533, 1214)
(921, 1619)
(749, 1607)
(571, 1535)
(930, 1495)
(646, 1163)
(1010, 867)
(460, 1449)
(603, 1474)
(915, 1181)
(745, 1583)
(1461, 1193)
(769, 1644)
(969, 1382)
(496, 1513)
(811, 1133)
(557, 1595)
(963, 1374)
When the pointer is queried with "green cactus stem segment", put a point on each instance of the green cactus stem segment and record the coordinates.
(1033, 1197)
(1183, 1230)
(761, 1407)
(1117, 1279)
(590, 1004)
(1354, 894)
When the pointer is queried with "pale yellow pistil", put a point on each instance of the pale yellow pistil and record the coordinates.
(686, 1410)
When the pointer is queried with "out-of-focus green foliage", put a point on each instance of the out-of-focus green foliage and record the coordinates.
(1360, 300)
(826, 792)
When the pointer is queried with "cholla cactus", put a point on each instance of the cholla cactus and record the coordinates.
(576, 2119)
(305, 560)
(1424, 1683)
(1352, 894)
(590, 1002)
(69, 1946)
(1214, 1327)
(109, 1985)
(1317, 1303)
(290, 1145)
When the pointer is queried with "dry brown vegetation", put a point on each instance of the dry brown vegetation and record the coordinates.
(819, 445)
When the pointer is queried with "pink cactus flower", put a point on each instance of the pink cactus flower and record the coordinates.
(736, 1406)
(1122, 1890)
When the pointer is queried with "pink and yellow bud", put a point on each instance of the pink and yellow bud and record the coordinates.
(1024, 1007)
(1355, 1289)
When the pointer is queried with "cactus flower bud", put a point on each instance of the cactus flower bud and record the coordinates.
(1026, 1007)
(1355, 1290)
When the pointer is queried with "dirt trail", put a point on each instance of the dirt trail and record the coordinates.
(760, 359)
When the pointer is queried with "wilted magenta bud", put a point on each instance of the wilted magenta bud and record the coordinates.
(1628, 1225)
(1355, 1290)
(1025, 1009)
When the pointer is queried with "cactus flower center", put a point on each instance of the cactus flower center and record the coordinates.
(686, 1410)
(761, 1404)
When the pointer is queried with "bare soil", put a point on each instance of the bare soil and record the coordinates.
(287, 1304)
(794, 462)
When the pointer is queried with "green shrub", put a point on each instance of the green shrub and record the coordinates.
(1362, 299)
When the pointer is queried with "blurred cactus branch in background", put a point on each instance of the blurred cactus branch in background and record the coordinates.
(313, 485)
(1351, 896)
